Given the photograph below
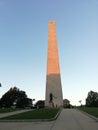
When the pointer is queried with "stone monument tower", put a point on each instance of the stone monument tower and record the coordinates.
(54, 96)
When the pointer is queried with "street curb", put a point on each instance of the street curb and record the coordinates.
(34, 120)
(91, 116)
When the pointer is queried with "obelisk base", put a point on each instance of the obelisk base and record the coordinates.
(51, 105)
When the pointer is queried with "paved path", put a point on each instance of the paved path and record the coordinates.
(69, 119)
(13, 113)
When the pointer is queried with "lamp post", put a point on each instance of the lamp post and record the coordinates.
(80, 102)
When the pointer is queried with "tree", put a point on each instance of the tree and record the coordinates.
(0, 85)
(66, 103)
(40, 104)
(8, 98)
(15, 97)
(92, 99)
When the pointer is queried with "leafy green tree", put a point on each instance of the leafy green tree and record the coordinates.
(92, 99)
(15, 97)
(40, 104)
(0, 85)
(66, 103)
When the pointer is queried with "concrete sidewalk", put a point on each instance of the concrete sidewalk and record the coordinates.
(13, 113)
(69, 119)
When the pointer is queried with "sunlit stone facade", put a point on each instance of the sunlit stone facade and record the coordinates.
(54, 96)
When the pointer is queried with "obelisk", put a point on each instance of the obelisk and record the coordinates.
(54, 96)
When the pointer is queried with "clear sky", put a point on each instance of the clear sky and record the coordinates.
(23, 46)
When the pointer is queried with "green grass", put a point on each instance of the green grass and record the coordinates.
(35, 114)
(5, 110)
(91, 110)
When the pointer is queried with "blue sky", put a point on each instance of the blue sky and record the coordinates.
(23, 46)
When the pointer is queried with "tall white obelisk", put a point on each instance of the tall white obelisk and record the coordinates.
(54, 96)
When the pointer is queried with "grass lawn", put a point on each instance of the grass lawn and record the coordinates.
(91, 110)
(35, 114)
(5, 110)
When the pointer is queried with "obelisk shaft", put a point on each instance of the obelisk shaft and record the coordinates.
(53, 79)
(52, 63)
